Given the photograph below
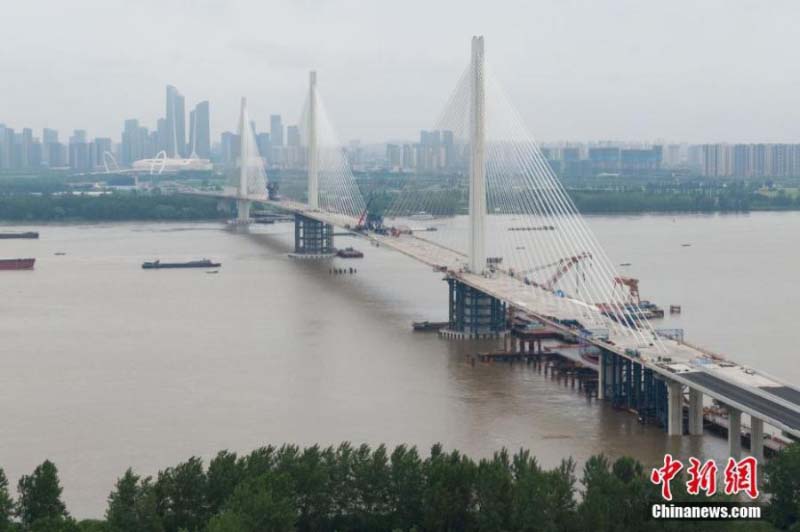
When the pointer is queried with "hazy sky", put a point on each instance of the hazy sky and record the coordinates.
(716, 70)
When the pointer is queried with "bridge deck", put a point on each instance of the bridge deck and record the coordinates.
(756, 394)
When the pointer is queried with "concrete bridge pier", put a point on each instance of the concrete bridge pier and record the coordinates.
(243, 210)
(695, 412)
(674, 408)
(474, 314)
(757, 438)
(734, 432)
(312, 239)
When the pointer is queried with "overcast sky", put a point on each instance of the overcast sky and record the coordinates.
(699, 71)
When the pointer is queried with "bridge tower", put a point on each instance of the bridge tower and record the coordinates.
(242, 205)
(474, 314)
(312, 239)
(477, 163)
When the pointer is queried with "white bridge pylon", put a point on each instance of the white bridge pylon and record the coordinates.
(250, 182)
(331, 186)
(521, 222)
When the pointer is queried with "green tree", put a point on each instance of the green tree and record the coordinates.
(448, 501)
(6, 504)
(40, 496)
(263, 504)
(132, 507)
(783, 485)
(181, 496)
(225, 472)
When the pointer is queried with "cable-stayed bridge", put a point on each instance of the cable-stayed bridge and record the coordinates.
(522, 248)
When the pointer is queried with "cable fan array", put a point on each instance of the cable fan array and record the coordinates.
(534, 233)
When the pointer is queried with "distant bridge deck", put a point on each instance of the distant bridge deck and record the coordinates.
(751, 391)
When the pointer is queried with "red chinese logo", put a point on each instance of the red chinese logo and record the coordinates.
(740, 476)
(702, 477)
(665, 474)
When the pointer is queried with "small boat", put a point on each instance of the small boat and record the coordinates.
(213, 271)
(349, 253)
(17, 264)
(26, 234)
(59, 253)
(158, 265)
(625, 264)
(686, 245)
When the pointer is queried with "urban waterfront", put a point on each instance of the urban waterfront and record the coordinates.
(107, 366)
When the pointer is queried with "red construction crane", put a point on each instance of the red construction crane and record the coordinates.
(633, 288)
(564, 266)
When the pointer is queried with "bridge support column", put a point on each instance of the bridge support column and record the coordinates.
(757, 438)
(243, 210)
(695, 412)
(601, 376)
(312, 239)
(734, 432)
(674, 408)
(474, 314)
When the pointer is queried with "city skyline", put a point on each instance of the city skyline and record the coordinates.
(595, 71)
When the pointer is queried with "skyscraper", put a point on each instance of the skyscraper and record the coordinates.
(293, 136)
(276, 131)
(175, 142)
(200, 131)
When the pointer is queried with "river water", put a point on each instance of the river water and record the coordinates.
(104, 365)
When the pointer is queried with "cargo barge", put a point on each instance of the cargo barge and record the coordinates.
(17, 264)
(26, 234)
(158, 265)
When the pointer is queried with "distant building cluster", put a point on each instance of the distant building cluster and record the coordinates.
(751, 160)
(23, 151)
(280, 147)
(436, 151)
(588, 160)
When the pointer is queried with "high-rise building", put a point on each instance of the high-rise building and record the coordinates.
(229, 143)
(276, 131)
(26, 160)
(293, 136)
(100, 147)
(135, 141)
(394, 156)
(79, 155)
(175, 126)
(200, 131)
(6, 146)
(263, 143)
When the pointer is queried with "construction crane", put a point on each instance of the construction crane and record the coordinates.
(633, 288)
(564, 265)
(360, 225)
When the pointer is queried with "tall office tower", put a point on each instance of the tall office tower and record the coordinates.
(742, 160)
(161, 134)
(133, 142)
(276, 131)
(100, 147)
(6, 144)
(200, 131)
(25, 150)
(229, 143)
(49, 135)
(175, 142)
(262, 140)
(293, 136)
(393, 156)
(79, 151)
(408, 157)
